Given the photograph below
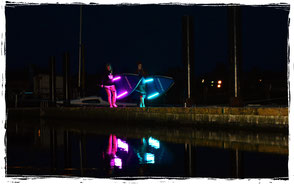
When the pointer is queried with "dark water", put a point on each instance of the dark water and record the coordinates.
(76, 148)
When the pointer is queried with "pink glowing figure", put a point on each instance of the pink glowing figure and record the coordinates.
(112, 145)
(121, 95)
(123, 145)
(116, 161)
(112, 163)
(116, 78)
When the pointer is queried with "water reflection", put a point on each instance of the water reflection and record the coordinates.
(147, 151)
(117, 152)
(113, 144)
(104, 150)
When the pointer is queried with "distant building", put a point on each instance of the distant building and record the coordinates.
(42, 86)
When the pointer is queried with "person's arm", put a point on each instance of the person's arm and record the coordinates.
(102, 81)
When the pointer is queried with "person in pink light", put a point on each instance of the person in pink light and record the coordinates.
(109, 86)
(110, 157)
(109, 154)
(112, 145)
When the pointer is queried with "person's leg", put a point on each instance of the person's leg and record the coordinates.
(109, 147)
(113, 91)
(107, 88)
(143, 100)
(114, 144)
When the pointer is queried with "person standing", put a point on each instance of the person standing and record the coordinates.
(108, 85)
(142, 86)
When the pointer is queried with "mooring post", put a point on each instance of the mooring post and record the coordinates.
(67, 148)
(81, 156)
(83, 72)
(236, 163)
(188, 153)
(66, 79)
(80, 53)
(52, 80)
(188, 54)
(53, 150)
(234, 27)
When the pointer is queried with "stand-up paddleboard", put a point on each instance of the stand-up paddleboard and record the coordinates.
(156, 85)
(125, 84)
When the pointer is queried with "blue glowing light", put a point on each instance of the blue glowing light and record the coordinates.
(154, 143)
(153, 95)
(149, 157)
(144, 141)
(148, 80)
(28, 93)
(140, 158)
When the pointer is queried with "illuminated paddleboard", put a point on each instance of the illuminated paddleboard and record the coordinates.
(157, 85)
(125, 84)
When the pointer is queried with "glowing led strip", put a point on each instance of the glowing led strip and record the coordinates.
(149, 157)
(123, 145)
(152, 96)
(116, 78)
(154, 142)
(124, 93)
(148, 80)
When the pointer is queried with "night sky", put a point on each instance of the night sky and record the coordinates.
(152, 34)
